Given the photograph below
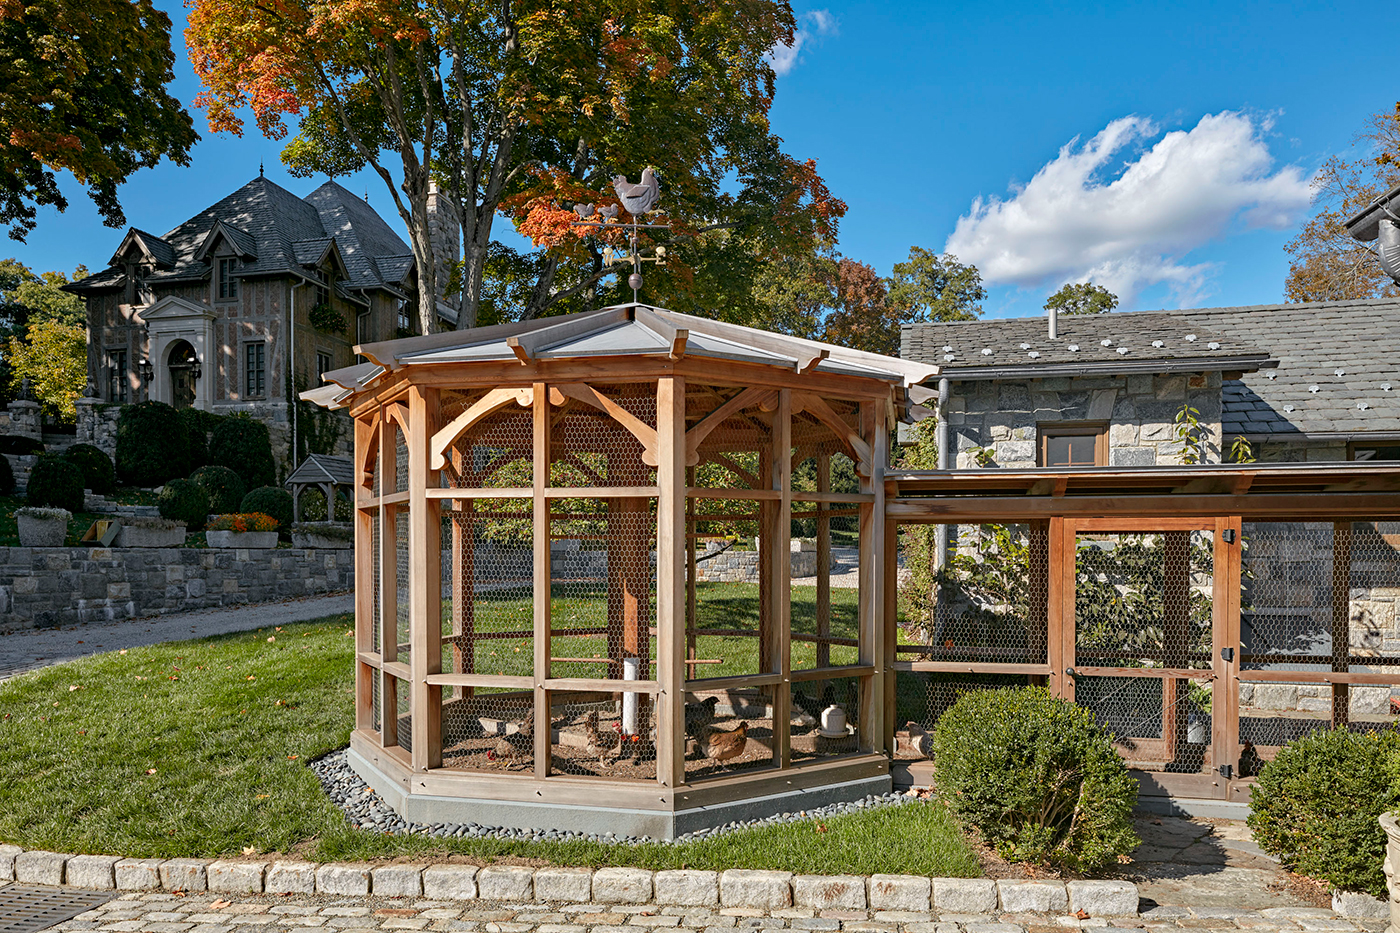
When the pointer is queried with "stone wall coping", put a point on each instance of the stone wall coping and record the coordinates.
(740, 889)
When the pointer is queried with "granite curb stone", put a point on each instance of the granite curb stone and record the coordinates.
(829, 892)
(899, 892)
(138, 874)
(235, 877)
(397, 880)
(755, 889)
(564, 884)
(350, 880)
(290, 878)
(92, 872)
(687, 888)
(39, 867)
(7, 862)
(184, 874)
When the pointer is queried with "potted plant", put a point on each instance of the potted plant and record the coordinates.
(151, 532)
(42, 527)
(338, 536)
(1392, 859)
(243, 530)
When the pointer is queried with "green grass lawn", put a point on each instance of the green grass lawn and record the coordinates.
(200, 748)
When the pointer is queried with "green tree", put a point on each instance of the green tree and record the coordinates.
(53, 357)
(1082, 298)
(526, 111)
(935, 288)
(82, 89)
(1327, 263)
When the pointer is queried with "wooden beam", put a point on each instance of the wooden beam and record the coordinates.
(491, 402)
(644, 433)
(521, 354)
(781, 583)
(424, 585)
(1258, 506)
(748, 398)
(675, 336)
(857, 447)
(671, 550)
(543, 571)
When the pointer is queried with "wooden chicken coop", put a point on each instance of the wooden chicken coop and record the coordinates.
(620, 571)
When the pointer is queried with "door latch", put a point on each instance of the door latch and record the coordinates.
(1228, 535)
(1227, 771)
(1227, 654)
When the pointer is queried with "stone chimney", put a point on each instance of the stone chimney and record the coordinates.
(446, 234)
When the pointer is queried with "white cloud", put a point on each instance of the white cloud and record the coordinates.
(783, 57)
(1128, 225)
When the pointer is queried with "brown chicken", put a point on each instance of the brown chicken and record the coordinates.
(514, 746)
(603, 744)
(722, 746)
(698, 716)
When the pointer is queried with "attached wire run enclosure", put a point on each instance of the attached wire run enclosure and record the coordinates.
(623, 564)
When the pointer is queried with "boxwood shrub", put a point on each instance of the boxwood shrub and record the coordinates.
(242, 444)
(313, 507)
(184, 500)
(152, 445)
(19, 445)
(225, 487)
(269, 500)
(1316, 804)
(1037, 777)
(98, 472)
(56, 483)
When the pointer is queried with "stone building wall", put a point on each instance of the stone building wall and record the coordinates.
(1141, 409)
(43, 587)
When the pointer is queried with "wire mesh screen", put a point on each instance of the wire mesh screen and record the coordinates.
(825, 594)
(400, 460)
(403, 637)
(985, 604)
(813, 736)
(611, 735)
(592, 439)
(489, 729)
(497, 452)
(488, 615)
(728, 609)
(922, 697)
(1286, 609)
(1143, 600)
(728, 731)
(734, 452)
(404, 718)
(1157, 723)
(375, 700)
(376, 583)
(603, 588)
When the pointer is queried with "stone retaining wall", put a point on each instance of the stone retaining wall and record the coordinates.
(738, 889)
(42, 587)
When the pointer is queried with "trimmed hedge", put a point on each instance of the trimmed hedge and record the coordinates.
(242, 444)
(225, 487)
(198, 425)
(184, 500)
(1037, 777)
(1316, 805)
(152, 445)
(19, 445)
(98, 472)
(55, 483)
(269, 500)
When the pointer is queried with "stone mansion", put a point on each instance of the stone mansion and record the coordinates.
(251, 300)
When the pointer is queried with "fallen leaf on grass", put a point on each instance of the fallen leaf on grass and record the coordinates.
(821, 827)
(272, 638)
(123, 651)
(258, 797)
(72, 687)
(293, 757)
(250, 850)
(150, 770)
(250, 677)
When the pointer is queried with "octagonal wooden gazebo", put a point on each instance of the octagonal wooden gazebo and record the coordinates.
(580, 601)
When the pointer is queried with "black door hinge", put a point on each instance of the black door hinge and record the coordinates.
(1227, 771)
(1228, 535)
(1227, 654)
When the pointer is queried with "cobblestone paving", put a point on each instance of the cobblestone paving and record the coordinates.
(208, 913)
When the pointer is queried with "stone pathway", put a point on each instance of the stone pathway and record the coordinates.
(1208, 864)
(141, 912)
(32, 649)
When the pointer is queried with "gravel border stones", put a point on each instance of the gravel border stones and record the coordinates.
(39, 867)
(685, 888)
(92, 872)
(756, 890)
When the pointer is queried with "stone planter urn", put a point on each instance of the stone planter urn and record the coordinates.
(42, 527)
(337, 536)
(241, 539)
(1392, 859)
(151, 534)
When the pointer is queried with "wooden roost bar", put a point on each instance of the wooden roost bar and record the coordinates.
(575, 603)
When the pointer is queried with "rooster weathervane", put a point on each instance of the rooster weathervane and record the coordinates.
(639, 199)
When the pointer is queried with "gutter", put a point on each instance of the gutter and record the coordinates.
(1247, 363)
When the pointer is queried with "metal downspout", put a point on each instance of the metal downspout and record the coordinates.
(940, 541)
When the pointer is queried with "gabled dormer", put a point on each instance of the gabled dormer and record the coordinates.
(226, 248)
(139, 254)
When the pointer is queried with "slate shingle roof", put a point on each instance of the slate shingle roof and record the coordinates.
(1312, 342)
(268, 220)
(1140, 342)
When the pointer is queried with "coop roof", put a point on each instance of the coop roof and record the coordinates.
(631, 330)
(320, 468)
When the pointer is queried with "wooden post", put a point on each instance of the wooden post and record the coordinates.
(388, 581)
(888, 627)
(766, 535)
(543, 578)
(1341, 619)
(1225, 639)
(1063, 548)
(424, 582)
(670, 580)
(692, 571)
(823, 561)
(781, 583)
(364, 585)
(876, 720)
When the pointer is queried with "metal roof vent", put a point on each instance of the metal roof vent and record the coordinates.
(1158, 344)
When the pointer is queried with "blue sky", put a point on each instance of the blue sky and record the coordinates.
(1192, 129)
